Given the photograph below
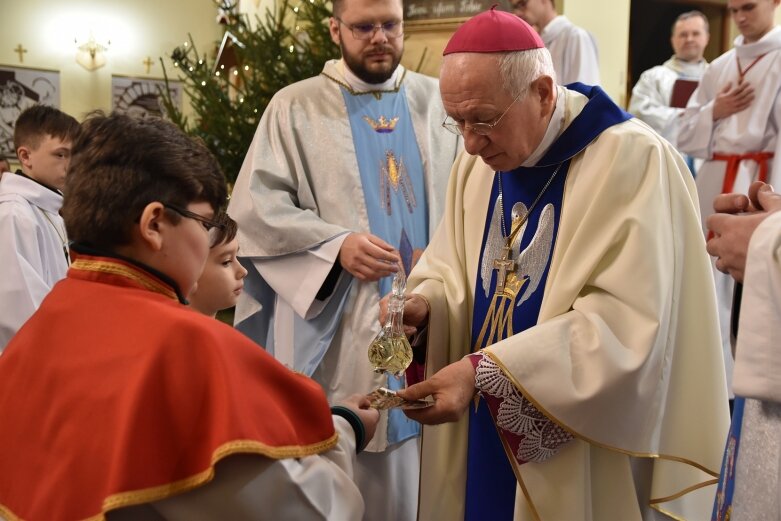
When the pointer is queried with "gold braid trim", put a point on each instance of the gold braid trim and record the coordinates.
(148, 495)
(114, 268)
(376, 93)
(652, 501)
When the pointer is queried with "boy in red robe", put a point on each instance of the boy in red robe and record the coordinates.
(118, 401)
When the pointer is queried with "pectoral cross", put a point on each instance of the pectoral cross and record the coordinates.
(20, 51)
(503, 265)
(148, 62)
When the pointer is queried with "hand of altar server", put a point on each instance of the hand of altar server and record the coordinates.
(731, 100)
(732, 227)
(367, 257)
(415, 312)
(452, 387)
(360, 405)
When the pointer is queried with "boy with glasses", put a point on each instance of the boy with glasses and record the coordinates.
(118, 400)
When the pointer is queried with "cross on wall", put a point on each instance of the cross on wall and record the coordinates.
(20, 51)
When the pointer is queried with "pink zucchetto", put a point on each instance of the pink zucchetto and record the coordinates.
(493, 31)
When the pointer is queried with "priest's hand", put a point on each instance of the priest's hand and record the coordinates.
(729, 100)
(415, 312)
(360, 405)
(740, 203)
(367, 257)
(453, 388)
(732, 233)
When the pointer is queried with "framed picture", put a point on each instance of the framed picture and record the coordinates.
(140, 97)
(445, 14)
(22, 87)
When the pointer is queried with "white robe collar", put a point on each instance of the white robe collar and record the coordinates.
(770, 42)
(358, 85)
(37, 194)
(686, 69)
(554, 130)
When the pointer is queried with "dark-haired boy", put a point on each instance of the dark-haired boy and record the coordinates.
(141, 407)
(33, 244)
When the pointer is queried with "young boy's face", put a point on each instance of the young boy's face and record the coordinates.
(221, 281)
(48, 162)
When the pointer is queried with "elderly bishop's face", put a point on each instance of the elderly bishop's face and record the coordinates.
(472, 92)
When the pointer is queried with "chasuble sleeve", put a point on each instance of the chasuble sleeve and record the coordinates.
(274, 199)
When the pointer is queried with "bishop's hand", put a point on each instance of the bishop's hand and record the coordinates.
(453, 388)
(367, 257)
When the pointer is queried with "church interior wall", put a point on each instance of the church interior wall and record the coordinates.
(137, 30)
(141, 29)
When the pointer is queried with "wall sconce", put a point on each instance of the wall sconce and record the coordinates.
(90, 53)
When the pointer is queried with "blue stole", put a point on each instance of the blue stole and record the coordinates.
(491, 482)
(722, 506)
(394, 191)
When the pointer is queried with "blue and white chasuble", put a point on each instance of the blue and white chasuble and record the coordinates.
(394, 192)
(491, 483)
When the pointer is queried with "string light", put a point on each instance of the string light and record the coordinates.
(203, 83)
(235, 72)
(217, 73)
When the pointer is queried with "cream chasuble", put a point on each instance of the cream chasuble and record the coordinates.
(625, 354)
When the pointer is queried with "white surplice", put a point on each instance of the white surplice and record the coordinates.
(573, 50)
(625, 355)
(754, 129)
(32, 252)
(651, 95)
(250, 487)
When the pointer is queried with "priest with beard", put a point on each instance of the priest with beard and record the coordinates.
(341, 186)
(565, 302)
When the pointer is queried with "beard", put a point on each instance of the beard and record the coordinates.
(378, 73)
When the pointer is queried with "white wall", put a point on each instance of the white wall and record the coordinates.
(136, 28)
(608, 21)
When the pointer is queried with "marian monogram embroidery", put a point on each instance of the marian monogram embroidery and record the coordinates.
(393, 176)
(520, 277)
(536, 437)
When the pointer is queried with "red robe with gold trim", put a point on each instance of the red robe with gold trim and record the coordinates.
(115, 394)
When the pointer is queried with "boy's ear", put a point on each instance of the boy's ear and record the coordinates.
(23, 153)
(150, 225)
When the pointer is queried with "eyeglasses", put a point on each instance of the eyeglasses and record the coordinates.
(481, 129)
(207, 223)
(366, 31)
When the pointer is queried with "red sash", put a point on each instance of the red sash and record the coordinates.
(115, 394)
(733, 162)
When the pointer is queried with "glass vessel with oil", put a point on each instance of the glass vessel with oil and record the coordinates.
(390, 350)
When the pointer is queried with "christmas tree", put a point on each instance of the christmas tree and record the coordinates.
(230, 89)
